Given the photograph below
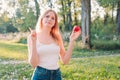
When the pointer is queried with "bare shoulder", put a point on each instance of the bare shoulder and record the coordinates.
(39, 36)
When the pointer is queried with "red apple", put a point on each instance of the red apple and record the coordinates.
(76, 28)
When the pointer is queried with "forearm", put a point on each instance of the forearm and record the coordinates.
(68, 54)
(33, 58)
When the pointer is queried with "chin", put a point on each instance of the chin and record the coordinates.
(48, 26)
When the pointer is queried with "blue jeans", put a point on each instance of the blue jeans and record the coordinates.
(45, 74)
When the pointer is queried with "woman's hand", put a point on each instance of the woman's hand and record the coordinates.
(33, 35)
(75, 34)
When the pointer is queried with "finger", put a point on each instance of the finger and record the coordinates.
(30, 29)
(34, 35)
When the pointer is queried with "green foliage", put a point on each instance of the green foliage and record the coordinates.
(18, 13)
(11, 28)
(29, 21)
(22, 19)
(106, 45)
(2, 29)
(64, 12)
(99, 29)
(26, 19)
(23, 40)
(103, 36)
(7, 27)
(107, 3)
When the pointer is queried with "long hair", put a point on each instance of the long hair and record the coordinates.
(55, 33)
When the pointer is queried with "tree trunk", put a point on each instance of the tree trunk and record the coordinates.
(50, 3)
(63, 15)
(118, 18)
(75, 15)
(86, 22)
(106, 18)
(37, 9)
(113, 12)
(69, 16)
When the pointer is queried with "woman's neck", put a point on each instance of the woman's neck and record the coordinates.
(46, 31)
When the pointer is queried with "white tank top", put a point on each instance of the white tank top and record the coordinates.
(48, 55)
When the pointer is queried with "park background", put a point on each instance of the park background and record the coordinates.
(96, 53)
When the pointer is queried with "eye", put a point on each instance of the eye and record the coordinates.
(47, 16)
(53, 18)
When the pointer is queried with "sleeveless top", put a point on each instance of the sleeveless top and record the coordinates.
(48, 55)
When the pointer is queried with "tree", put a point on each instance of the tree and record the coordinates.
(75, 13)
(86, 22)
(25, 17)
(11, 28)
(118, 18)
(63, 14)
(50, 3)
(69, 15)
(66, 13)
(112, 4)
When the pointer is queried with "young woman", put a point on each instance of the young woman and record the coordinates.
(45, 46)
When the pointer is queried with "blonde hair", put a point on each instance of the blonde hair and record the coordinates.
(54, 30)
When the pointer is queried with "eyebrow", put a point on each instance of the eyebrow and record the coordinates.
(49, 15)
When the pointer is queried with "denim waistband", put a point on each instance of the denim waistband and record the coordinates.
(39, 67)
(41, 73)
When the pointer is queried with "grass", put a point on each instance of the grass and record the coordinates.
(90, 53)
(10, 50)
(84, 65)
(95, 68)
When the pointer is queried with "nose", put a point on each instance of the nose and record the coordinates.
(49, 19)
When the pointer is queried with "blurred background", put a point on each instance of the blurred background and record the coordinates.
(96, 55)
(16, 16)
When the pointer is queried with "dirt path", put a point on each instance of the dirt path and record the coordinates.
(99, 56)
(12, 62)
(18, 61)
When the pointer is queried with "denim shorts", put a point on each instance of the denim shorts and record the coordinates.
(45, 74)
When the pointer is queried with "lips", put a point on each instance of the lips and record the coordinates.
(48, 22)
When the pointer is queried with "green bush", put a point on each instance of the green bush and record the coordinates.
(106, 44)
(99, 29)
(23, 40)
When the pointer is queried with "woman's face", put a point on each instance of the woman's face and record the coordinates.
(49, 20)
